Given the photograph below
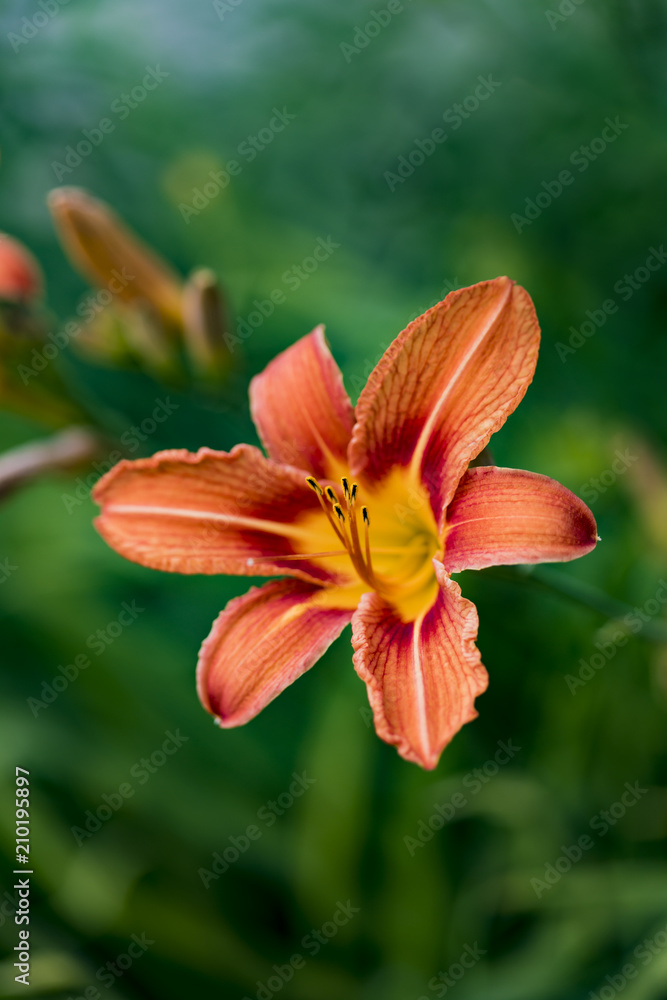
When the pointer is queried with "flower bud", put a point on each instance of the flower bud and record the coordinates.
(20, 274)
(204, 321)
(102, 247)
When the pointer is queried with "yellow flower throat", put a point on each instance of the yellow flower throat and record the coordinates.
(385, 544)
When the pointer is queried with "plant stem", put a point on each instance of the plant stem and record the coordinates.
(62, 452)
(581, 593)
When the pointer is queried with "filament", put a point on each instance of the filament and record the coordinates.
(347, 528)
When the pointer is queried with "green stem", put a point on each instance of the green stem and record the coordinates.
(579, 592)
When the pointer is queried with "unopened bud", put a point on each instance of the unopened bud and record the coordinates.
(20, 274)
(111, 256)
(204, 321)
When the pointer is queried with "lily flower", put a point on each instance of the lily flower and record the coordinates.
(365, 513)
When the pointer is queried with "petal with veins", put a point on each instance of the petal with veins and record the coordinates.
(422, 676)
(503, 516)
(260, 644)
(208, 512)
(445, 385)
(301, 410)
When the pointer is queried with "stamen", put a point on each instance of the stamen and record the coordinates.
(354, 531)
(314, 485)
(367, 536)
(346, 530)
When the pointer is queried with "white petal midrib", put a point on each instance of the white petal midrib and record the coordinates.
(231, 520)
(427, 429)
(420, 692)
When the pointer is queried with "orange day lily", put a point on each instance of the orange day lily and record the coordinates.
(365, 513)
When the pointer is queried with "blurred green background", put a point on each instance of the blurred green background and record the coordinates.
(559, 72)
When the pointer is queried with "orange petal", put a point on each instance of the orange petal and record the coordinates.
(503, 516)
(260, 644)
(301, 410)
(422, 676)
(206, 512)
(445, 385)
